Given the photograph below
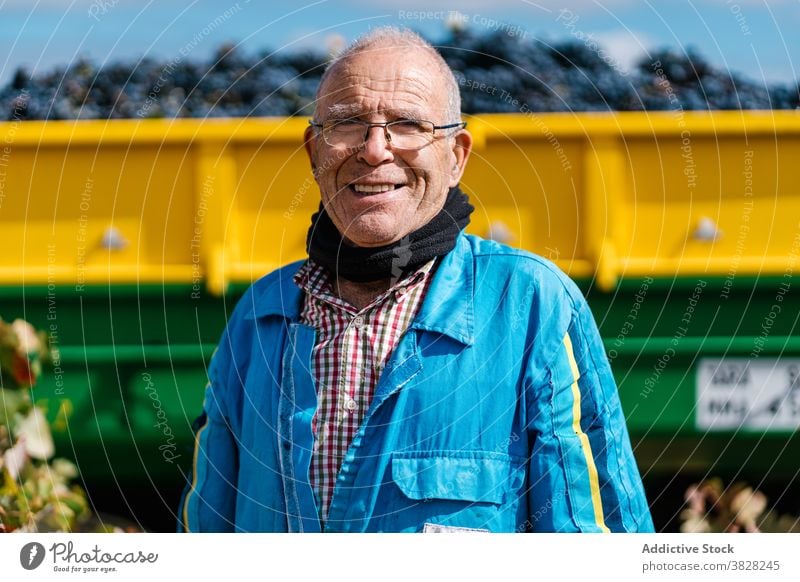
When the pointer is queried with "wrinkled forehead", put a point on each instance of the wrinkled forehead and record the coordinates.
(391, 82)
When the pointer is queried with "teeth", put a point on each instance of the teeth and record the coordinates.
(373, 187)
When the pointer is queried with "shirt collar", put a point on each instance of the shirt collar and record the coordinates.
(448, 307)
(317, 281)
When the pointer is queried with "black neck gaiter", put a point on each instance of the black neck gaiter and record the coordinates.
(326, 246)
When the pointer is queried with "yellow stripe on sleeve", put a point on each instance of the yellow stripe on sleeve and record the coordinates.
(194, 476)
(594, 481)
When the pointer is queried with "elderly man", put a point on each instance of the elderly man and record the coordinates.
(408, 377)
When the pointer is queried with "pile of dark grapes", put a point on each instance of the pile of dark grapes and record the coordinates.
(496, 73)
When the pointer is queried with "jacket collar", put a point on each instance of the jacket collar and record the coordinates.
(448, 307)
(278, 294)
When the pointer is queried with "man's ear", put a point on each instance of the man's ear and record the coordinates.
(310, 143)
(462, 146)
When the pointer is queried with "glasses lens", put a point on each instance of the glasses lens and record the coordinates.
(346, 133)
(407, 133)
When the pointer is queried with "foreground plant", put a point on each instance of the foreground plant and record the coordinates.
(713, 508)
(35, 493)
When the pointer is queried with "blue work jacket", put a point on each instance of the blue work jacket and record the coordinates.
(496, 411)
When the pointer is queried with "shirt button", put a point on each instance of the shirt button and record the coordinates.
(358, 321)
(350, 405)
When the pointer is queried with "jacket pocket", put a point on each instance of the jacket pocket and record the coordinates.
(473, 476)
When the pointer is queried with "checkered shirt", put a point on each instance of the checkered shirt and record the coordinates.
(352, 348)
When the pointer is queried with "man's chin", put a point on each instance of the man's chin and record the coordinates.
(372, 237)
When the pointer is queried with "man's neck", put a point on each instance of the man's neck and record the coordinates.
(360, 294)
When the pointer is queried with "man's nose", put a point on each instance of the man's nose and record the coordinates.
(377, 146)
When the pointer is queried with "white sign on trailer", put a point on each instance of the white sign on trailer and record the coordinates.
(752, 394)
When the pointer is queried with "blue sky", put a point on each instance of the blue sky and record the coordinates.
(758, 38)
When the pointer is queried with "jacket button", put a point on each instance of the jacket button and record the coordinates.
(286, 445)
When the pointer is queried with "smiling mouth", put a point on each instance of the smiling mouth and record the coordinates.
(367, 189)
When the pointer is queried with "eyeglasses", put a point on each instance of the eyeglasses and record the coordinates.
(403, 133)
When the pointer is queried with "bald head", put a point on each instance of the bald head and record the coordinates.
(401, 42)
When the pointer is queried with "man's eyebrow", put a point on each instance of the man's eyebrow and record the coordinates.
(407, 114)
(343, 111)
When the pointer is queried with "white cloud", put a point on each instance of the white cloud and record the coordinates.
(626, 47)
